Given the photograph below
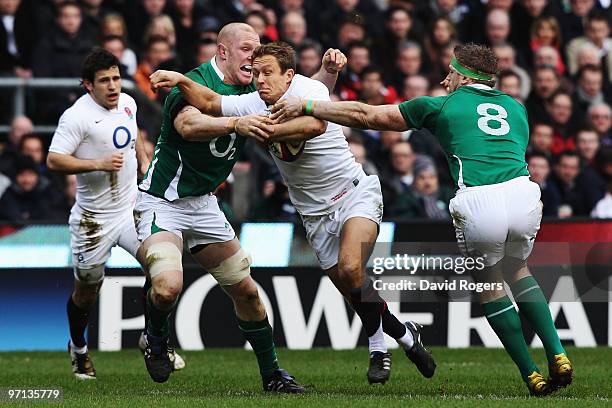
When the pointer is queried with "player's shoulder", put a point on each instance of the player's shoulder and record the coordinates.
(304, 86)
(126, 99)
(80, 109)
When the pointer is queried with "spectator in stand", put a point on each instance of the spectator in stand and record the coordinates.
(506, 61)
(579, 191)
(545, 32)
(560, 109)
(185, 16)
(373, 90)
(415, 86)
(158, 51)
(349, 82)
(465, 15)
(545, 83)
(309, 58)
(113, 25)
(589, 89)
(351, 29)
(360, 152)
(208, 29)
(33, 146)
(425, 198)
(93, 13)
(548, 56)
(497, 27)
(161, 26)
(9, 151)
(573, 21)
(400, 176)
(597, 33)
(524, 14)
(539, 172)
(328, 23)
(205, 51)
(541, 139)
(603, 208)
(139, 13)
(259, 21)
(115, 45)
(27, 198)
(409, 62)
(510, 83)
(587, 145)
(293, 29)
(600, 118)
(17, 39)
(399, 28)
(59, 54)
(440, 36)
(20, 126)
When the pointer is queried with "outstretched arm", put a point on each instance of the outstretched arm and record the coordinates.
(332, 63)
(302, 128)
(353, 114)
(203, 98)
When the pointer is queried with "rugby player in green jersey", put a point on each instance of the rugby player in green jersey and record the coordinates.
(194, 154)
(496, 210)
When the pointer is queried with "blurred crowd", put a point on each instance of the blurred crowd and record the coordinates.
(555, 57)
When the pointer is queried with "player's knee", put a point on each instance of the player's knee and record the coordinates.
(248, 296)
(166, 293)
(162, 257)
(349, 271)
(89, 276)
(233, 270)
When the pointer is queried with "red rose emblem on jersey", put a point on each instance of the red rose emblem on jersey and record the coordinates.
(129, 112)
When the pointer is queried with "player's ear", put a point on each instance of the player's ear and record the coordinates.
(289, 75)
(88, 85)
(221, 51)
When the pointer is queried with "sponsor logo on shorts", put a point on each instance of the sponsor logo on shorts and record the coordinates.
(339, 196)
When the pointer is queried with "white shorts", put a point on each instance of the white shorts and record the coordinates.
(323, 231)
(196, 220)
(497, 220)
(93, 235)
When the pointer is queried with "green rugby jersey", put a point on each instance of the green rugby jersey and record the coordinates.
(484, 133)
(181, 168)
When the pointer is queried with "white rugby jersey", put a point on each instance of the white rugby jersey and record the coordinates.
(87, 130)
(326, 171)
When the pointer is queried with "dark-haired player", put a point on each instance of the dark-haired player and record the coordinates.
(97, 139)
(497, 209)
(341, 207)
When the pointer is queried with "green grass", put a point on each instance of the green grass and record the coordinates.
(229, 377)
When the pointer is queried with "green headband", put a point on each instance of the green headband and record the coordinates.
(468, 72)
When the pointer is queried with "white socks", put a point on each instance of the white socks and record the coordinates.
(78, 350)
(406, 341)
(377, 342)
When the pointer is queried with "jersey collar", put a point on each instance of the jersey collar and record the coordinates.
(213, 63)
(480, 86)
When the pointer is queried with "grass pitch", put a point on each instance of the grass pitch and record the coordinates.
(229, 378)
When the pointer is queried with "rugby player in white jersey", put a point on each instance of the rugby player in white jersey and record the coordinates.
(97, 139)
(340, 206)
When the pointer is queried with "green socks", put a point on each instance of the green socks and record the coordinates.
(505, 321)
(157, 323)
(533, 305)
(259, 335)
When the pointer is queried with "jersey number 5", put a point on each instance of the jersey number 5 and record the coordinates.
(230, 150)
(499, 116)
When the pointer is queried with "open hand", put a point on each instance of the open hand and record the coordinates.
(286, 109)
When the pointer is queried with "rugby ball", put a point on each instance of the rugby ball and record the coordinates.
(287, 151)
